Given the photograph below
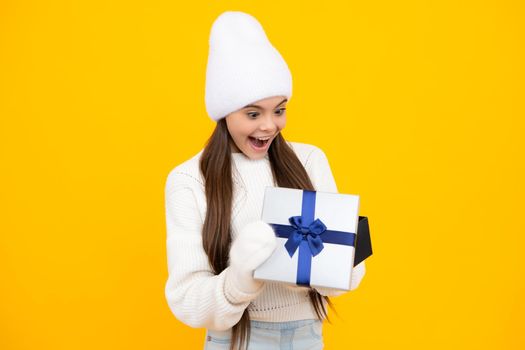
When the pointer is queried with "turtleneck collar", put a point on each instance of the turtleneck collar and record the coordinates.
(241, 157)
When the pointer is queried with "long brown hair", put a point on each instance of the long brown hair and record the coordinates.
(215, 165)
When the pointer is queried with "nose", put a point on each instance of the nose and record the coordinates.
(268, 124)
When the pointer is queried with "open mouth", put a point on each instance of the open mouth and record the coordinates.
(257, 143)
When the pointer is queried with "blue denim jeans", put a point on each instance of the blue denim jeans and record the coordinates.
(293, 335)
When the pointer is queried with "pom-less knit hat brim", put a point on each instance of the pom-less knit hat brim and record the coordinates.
(243, 66)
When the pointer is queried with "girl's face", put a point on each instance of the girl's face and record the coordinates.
(254, 126)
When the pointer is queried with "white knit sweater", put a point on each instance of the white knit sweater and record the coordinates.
(198, 297)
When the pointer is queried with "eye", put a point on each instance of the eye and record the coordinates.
(252, 115)
(282, 110)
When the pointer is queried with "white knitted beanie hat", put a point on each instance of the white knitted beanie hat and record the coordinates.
(243, 66)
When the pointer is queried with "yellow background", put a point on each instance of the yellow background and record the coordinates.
(417, 104)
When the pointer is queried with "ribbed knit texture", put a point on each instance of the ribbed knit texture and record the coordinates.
(194, 294)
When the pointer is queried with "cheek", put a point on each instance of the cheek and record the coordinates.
(282, 123)
(241, 136)
(246, 130)
(238, 132)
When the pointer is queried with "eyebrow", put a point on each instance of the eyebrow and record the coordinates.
(262, 108)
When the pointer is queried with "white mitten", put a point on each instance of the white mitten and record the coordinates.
(254, 244)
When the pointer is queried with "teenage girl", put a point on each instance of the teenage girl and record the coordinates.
(215, 237)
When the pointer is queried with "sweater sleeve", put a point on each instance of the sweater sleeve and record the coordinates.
(195, 295)
(320, 173)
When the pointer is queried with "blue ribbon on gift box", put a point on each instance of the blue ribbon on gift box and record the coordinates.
(308, 235)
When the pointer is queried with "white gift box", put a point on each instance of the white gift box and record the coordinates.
(332, 266)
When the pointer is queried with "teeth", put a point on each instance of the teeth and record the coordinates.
(263, 138)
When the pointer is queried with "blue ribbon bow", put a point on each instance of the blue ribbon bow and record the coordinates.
(308, 235)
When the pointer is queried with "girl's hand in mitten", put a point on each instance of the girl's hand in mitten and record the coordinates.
(253, 246)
